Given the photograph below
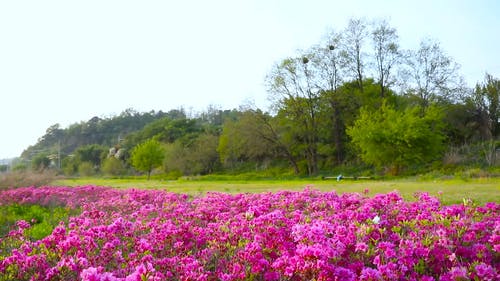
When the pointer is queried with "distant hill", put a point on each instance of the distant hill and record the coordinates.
(102, 131)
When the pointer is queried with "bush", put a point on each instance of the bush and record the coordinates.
(112, 167)
(86, 169)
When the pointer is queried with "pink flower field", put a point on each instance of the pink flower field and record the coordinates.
(308, 235)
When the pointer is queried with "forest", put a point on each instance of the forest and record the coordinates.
(355, 102)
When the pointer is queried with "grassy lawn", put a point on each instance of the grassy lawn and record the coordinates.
(453, 191)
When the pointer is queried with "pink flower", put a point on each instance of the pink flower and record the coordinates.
(485, 272)
(370, 274)
(22, 224)
(361, 247)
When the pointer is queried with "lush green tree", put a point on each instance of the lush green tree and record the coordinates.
(395, 139)
(147, 155)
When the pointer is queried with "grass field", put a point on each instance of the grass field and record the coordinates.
(480, 190)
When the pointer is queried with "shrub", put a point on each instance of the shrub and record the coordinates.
(86, 169)
(112, 166)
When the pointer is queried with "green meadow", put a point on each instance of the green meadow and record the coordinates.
(450, 191)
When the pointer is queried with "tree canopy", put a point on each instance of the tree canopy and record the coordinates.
(147, 156)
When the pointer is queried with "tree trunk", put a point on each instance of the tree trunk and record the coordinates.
(337, 134)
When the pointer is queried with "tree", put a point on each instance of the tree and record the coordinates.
(395, 139)
(250, 138)
(297, 99)
(485, 101)
(331, 65)
(202, 154)
(175, 161)
(431, 74)
(386, 54)
(485, 104)
(147, 156)
(354, 35)
(197, 157)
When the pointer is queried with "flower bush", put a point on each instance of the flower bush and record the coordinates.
(308, 235)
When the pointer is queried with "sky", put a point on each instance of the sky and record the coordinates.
(63, 62)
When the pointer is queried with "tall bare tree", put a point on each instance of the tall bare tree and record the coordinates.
(354, 41)
(386, 54)
(331, 68)
(432, 75)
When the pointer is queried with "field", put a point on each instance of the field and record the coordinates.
(453, 191)
(236, 230)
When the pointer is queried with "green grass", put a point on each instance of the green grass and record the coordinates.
(480, 190)
(42, 219)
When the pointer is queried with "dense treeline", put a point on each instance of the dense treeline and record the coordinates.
(355, 99)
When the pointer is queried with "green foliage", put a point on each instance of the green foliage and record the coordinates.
(112, 167)
(86, 169)
(198, 157)
(395, 139)
(92, 153)
(42, 219)
(147, 156)
(69, 165)
(485, 104)
(175, 158)
(19, 167)
(40, 162)
(202, 154)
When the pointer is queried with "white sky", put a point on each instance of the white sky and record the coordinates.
(67, 61)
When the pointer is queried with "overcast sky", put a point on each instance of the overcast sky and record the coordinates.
(67, 61)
